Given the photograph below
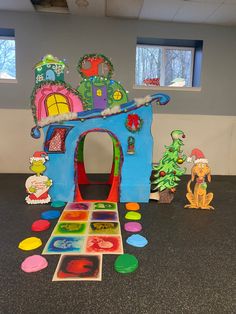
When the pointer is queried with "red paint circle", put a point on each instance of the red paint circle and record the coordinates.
(40, 225)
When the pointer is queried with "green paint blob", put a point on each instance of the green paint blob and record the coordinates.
(133, 215)
(126, 263)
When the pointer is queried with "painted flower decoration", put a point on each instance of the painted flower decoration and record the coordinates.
(39, 78)
(58, 69)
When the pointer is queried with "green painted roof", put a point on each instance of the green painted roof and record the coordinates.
(49, 59)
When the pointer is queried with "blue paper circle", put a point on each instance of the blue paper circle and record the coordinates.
(58, 204)
(50, 214)
(137, 240)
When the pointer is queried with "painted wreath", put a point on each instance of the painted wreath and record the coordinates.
(134, 123)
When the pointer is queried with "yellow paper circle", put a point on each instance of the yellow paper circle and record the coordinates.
(30, 244)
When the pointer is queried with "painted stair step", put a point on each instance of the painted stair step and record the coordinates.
(133, 226)
(126, 263)
(133, 216)
(137, 240)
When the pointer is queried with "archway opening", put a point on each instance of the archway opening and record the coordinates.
(98, 162)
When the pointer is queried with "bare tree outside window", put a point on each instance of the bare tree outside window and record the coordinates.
(178, 67)
(7, 59)
(148, 64)
(164, 66)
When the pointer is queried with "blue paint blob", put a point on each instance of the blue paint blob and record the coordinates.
(51, 214)
(137, 240)
(58, 204)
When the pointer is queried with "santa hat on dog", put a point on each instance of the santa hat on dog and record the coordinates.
(199, 157)
(39, 156)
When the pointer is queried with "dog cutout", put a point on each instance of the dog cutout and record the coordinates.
(199, 198)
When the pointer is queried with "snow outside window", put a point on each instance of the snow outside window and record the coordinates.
(7, 55)
(164, 66)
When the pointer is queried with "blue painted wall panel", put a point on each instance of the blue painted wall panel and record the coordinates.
(136, 169)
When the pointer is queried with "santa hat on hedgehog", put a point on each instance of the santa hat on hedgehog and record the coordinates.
(199, 157)
(39, 156)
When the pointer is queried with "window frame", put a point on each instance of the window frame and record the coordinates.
(49, 134)
(4, 80)
(196, 46)
(56, 104)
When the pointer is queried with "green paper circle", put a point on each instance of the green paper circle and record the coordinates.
(58, 204)
(133, 215)
(126, 263)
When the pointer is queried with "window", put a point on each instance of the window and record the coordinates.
(57, 104)
(168, 63)
(7, 55)
(117, 95)
(55, 140)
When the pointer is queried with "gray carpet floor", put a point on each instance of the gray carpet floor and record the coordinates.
(187, 267)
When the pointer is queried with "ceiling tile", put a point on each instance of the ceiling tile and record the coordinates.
(225, 15)
(16, 5)
(94, 8)
(230, 1)
(206, 1)
(195, 12)
(124, 8)
(163, 10)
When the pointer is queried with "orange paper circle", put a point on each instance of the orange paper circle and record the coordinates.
(132, 206)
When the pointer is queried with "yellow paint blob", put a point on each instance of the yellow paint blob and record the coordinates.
(30, 244)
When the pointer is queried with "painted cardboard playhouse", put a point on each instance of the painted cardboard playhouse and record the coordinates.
(99, 104)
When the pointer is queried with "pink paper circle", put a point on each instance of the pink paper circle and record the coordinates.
(133, 226)
(34, 263)
(40, 225)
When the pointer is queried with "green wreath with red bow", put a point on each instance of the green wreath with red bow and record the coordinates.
(134, 123)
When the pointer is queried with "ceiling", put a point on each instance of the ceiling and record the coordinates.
(218, 12)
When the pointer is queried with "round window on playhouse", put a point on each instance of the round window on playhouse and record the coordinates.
(117, 95)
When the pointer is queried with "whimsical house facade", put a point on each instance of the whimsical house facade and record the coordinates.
(99, 104)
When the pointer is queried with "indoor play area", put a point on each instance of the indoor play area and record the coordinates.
(118, 158)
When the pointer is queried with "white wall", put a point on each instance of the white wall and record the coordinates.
(214, 135)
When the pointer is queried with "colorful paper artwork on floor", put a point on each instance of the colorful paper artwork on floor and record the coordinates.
(82, 243)
(84, 230)
(128, 263)
(79, 267)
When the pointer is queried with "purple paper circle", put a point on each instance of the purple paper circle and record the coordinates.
(133, 226)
